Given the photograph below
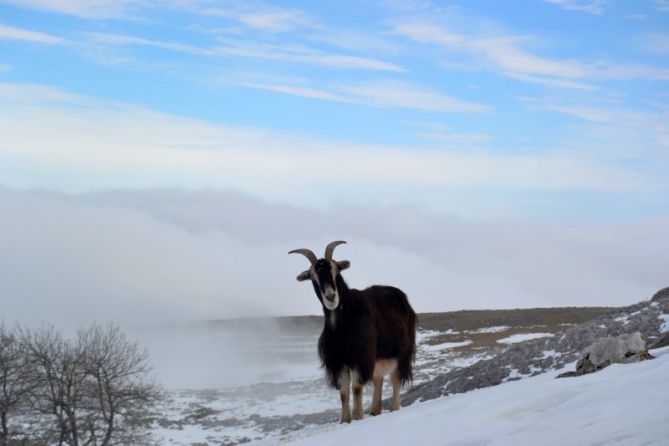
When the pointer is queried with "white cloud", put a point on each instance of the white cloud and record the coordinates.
(444, 135)
(403, 95)
(383, 94)
(276, 20)
(657, 43)
(5, 68)
(662, 5)
(174, 255)
(87, 9)
(506, 54)
(122, 39)
(590, 6)
(629, 133)
(246, 49)
(53, 139)
(13, 33)
(305, 92)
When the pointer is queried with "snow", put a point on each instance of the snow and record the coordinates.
(620, 405)
(623, 319)
(424, 335)
(523, 337)
(495, 329)
(445, 345)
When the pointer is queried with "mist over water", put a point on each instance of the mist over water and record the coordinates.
(227, 354)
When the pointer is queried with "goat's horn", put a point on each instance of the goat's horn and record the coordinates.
(330, 249)
(306, 253)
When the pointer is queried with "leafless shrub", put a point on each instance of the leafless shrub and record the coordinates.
(14, 384)
(89, 390)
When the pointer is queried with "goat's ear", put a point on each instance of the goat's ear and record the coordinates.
(304, 275)
(343, 264)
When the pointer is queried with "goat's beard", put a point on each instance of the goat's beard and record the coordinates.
(331, 306)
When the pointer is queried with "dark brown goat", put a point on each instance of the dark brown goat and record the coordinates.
(367, 334)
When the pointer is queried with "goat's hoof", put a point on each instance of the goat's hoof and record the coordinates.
(347, 421)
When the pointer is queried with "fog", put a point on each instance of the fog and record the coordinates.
(224, 355)
(172, 255)
(160, 262)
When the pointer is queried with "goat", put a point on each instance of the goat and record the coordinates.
(367, 334)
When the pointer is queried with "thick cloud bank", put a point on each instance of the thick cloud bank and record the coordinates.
(175, 255)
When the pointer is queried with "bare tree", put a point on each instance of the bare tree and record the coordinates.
(118, 390)
(91, 390)
(14, 383)
(58, 381)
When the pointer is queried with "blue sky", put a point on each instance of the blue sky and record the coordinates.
(559, 101)
(477, 154)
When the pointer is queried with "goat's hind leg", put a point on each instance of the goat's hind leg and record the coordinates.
(397, 384)
(378, 394)
(344, 394)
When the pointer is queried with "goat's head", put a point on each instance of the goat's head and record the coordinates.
(323, 274)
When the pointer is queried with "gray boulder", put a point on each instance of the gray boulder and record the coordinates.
(622, 349)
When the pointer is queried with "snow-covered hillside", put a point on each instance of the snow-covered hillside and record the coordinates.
(457, 354)
(620, 405)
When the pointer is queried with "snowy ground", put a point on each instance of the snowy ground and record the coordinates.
(620, 405)
(263, 383)
(282, 387)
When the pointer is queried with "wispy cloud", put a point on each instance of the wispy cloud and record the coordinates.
(626, 132)
(275, 20)
(444, 135)
(122, 39)
(590, 6)
(4, 68)
(662, 5)
(383, 94)
(245, 49)
(507, 55)
(404, 95)
(87, 9)
(656, 43)
(305, 92)
(26, 35)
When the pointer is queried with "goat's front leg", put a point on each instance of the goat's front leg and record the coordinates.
(344, 381)
(357, 396)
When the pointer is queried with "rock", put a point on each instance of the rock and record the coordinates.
(662, 294)
(622, 349)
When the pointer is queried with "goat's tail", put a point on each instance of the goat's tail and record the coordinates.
(408, 357)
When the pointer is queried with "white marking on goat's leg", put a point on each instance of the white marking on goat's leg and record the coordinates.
(378, 392)
(357, 395)
(397, 383)
(382, 367)
(344, 381)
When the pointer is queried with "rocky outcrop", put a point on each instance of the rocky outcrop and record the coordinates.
(662, 294)
(538, 356)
